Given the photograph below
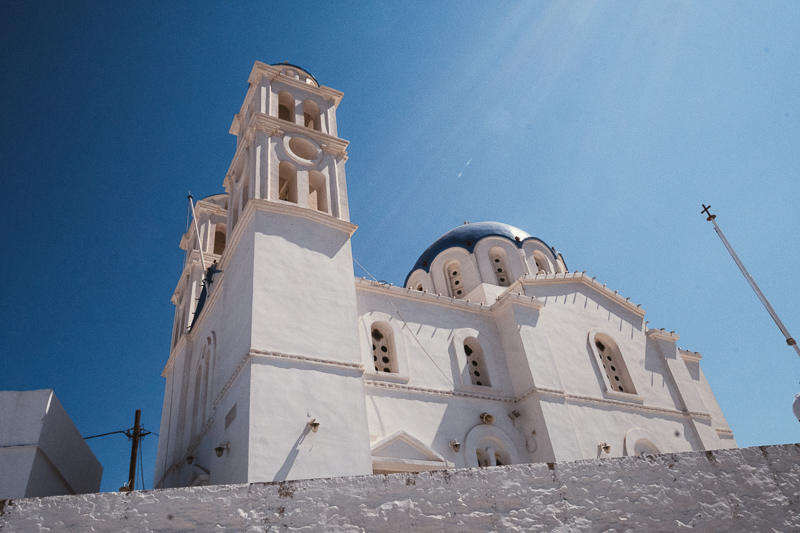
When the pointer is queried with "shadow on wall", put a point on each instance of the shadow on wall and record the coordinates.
(286, 467)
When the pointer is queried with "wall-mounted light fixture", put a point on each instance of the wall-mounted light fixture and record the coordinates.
(219, 450)
(513, 415)
(605, 447)
(455, 445)
(189, 459)
(313, 424)
(486, 418)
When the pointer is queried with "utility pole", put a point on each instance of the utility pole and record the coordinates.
(137, 433)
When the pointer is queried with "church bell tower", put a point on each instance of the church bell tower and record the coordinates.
(283, 383)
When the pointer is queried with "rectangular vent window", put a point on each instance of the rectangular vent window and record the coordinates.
(230, 417)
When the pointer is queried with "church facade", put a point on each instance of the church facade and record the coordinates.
(284, 365)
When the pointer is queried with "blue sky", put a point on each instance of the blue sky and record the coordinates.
(599, 127)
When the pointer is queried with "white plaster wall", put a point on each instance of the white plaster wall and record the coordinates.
(303, 294)
(541, 364)
(285, 395)
(41, 451)
(751, 489)
(428, 340)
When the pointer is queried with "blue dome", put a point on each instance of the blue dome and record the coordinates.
(467, 236)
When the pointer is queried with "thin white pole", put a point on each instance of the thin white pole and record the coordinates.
(197, 230)
(789, 340)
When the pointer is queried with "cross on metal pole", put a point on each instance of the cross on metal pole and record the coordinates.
(789, 340)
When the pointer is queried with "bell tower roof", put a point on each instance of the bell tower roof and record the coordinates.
(293, 71)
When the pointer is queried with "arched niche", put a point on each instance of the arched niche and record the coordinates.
(489, 443)
(286, 106)
(639, 441)
(492, 253)
(443, 279)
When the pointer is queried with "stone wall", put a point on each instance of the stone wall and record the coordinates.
(750, 489)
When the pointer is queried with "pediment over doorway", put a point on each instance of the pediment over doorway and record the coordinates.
(400, 452)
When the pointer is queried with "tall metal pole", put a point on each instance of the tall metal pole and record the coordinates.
(789, 340)
(137, 432)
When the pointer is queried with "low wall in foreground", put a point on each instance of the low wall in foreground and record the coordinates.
(750, 489)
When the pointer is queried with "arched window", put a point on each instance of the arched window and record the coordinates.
(619, 380)
(498, 259)
(219, 239)
(476, 364)
(456, 281)
(542, 264)
(383, 351)
(287, 182)
(286, 106)
(311, 115)
(317, 194)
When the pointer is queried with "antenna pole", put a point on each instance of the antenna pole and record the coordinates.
(789, 340)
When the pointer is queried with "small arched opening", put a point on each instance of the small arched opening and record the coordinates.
(497, 257)
(542, 264)
(287, 182)
(311, 115)
(455, 279)
(384, 354)
(317, 191)
(219, 239)
(476, 363)
(286, 106)
(619, 380)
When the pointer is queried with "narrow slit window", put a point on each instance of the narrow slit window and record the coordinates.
(613, 365)
(383, 353)
(455, 279)
(476, 364)
(501, 274)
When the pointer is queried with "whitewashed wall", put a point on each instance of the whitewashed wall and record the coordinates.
(750, 489)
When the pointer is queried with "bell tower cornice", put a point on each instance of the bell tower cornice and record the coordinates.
(275, 127)
(273, 73)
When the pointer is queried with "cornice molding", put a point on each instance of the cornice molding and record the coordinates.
(255, 353)
(294, 210)
(662, 334)
(508, 299)
(616, 403)
(274, 72)
(581, 277)
(686, 355)
(275, 127)
(435, 392)
(306, 359)
(212, 209)
(427, 297)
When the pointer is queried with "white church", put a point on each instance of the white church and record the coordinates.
(284, 365)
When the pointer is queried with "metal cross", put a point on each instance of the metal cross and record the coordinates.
(707, 212)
